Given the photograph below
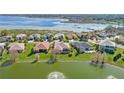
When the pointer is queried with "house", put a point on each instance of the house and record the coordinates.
(31, 38)
(61, 47)
(34, 37)
(59, 36)
(107, 46)
(37, 37)
(81, 46)
(71, 36)
(2, 45)
(84, 37)
(21, 36)
(5, 39)
(41, 47)
(101, 35)
(47, 37)
(120, 40)
(19, 47)
(79, 34)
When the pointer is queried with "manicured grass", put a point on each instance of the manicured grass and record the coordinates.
(24, 56)
(109, 57)
(119, 62)
(85, 57)
(79, 58)
(5, 56)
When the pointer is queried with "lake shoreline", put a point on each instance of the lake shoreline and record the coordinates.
(20, 22)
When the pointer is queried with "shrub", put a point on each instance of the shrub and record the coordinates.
(70, 55)
(117, 57)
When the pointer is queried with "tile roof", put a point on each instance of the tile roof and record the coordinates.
(71, 35)
(61, 46)
(42, 45)
(16, 46)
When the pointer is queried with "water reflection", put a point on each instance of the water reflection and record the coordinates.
(97, 64)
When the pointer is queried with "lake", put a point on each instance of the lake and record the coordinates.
(12, 22)
(70, 70)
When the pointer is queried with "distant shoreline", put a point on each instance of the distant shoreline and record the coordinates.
(35, 28)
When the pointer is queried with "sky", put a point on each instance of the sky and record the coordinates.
(62, 6)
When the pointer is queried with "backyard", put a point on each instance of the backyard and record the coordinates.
(27, 57)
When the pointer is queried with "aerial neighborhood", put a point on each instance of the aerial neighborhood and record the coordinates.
(62, 44)
(54, 46)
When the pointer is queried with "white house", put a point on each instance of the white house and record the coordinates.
(21, 36)
(107, 46)
(59, 35)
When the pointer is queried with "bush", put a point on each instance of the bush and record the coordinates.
(122, 59)
(117, 57)
(77, 54)
(70, 55)
(52, 59)
(7, 63)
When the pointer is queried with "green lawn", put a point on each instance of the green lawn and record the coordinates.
(79, 58)
(85, 57)
(5, 56)
(24, 56)
(120, 62)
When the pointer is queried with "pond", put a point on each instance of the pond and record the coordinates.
(11, 22)
(67, 70)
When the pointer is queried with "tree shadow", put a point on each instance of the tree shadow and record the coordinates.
(93, 63)
(35, 61)
(7, 63)
(51, 61)
(30, 54)
(102, 65)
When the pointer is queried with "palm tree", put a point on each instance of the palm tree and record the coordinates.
(13, 55)
(92, 58)
(97, 58)
(103, 57)
(37, 57)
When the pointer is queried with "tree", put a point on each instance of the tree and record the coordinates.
(37, 57)
(70, 54)
(116, 40)
(96, 47)
(53, 57)
(3, 33)
(13, 55)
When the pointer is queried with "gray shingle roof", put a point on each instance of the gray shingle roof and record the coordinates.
(81, 44)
